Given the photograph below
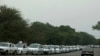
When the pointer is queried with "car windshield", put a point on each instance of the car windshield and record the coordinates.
(45, 46)
(19, 45)
(51, 46)
(56, 46)
(34, 46)
(3, 44)
(88, 49)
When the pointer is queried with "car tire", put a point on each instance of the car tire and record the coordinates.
(3, 53)
(29, 53)
(38, 53)
(21, 53)
(15, 53)
(92, 55)
(41, 53)
(82, 54)
(6, 53)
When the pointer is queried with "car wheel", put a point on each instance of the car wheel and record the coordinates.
(44, 52)
(28, 53)
(6, 53)
(92, 55)
(15, 53)
(41, 53)
(82, 54)
(21, 53)
(3, 53)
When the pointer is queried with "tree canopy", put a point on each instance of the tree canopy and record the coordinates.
(12, 25)
(97, 26)
(14, 28)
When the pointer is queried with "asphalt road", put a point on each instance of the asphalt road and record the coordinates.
(76, 53)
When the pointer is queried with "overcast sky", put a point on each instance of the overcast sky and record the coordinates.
(79, 14)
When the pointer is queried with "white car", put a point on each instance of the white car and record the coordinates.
(74, 48)
(63, 48)
(57, 49)
(78, 48)
(52, 48)
(7, 48)
(68, 49)
(96, 46)
(35, 48)
(46, 49)
(22, 48)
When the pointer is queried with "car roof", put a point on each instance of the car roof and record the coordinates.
(6, 42)
(35, 44)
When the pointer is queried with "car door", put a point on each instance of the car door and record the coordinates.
(25, 50)
(12, 48)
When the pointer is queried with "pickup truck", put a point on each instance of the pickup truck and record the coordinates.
(7, 48)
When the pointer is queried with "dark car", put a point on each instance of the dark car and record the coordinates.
(87, 51)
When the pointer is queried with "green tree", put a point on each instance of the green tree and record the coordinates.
(12, 26)
(87, 39)
(39, 32)
(97, 26)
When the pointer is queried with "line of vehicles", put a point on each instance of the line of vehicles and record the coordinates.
(35, 48)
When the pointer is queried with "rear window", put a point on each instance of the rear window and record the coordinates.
(87, 49)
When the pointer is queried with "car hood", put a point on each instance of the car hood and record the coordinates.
(45, 49)
(20, 48)
(33, 48)
(2, 47)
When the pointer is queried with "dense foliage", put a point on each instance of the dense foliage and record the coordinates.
(14, 28)
(97, 27)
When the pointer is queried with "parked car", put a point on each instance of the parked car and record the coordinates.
(22, 48)
(52, 48)
(74, 48)
(87, 51)
(78, 48)
(57, 49)
(63, 49)
(7, 48)
(96, 46)
(46, 49)
(35, 48)
(68, 49)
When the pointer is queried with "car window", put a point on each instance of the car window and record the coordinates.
(3, 44)
(12, 45)
(19, 45)
(34, 46)
(45, 46)
(88, 49)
